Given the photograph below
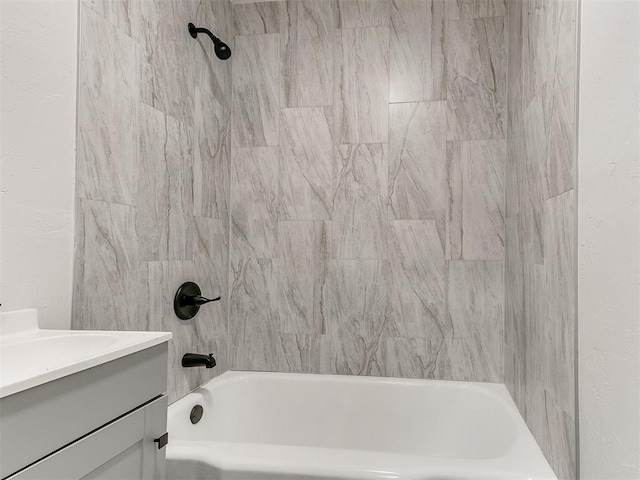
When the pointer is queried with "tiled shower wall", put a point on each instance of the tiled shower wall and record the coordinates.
(540, 275)
(153, 173)
(367, 187)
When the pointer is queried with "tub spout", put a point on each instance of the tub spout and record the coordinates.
(198, 360)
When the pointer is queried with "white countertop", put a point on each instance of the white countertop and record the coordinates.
(30, 356)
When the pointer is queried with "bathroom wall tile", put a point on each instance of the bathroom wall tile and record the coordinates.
(165, 181)
(560, 273)
(273, 352)
(361, 88)
(122, 14)
(514, 321)
(307, 28)
(417, 160)
(417, 287)
(351, 352)
(412, 357)
(254, 299)
(255, 18)
(211, 163)
(562, 135)
(354, 297)
(214, 75)
(297, 251)
(476, 205)
(211, 273)
(532, 188)
(476, 307)
(417, 70)
(359, 227)
(363, 13)
(476, 74)
(107, 90)
(457, 9)
(106, 267)
(306, 164)
(256, 89)
(254, 202)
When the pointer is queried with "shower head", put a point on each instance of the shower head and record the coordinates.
(223, 52)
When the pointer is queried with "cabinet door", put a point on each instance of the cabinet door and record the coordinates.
(122, 450)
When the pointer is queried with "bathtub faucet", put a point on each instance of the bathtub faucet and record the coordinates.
(198, 360)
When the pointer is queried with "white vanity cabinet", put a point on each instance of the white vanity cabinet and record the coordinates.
(99, 420)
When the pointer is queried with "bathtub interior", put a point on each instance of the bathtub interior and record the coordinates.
(447, 419)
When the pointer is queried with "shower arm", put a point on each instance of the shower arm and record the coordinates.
(194, 31)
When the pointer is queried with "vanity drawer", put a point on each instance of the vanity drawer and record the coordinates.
(123, 450)
(41, 420)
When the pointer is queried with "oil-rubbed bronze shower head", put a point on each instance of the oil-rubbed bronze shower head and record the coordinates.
(223, 52)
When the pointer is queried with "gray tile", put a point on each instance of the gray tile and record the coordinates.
(307, 28)
(476, 205)
(298, 251)
(165, 179)
(359, 226)
(107, 93)
(256, 18)
(254, 202)
(412, 357)
(363, 13)
(457, 9)
(123, 14)
(354, 297)
(417, 287)
(306, 164)
(106, 267)
(256, 90)
(417, 160)
(361, 88)
(211, 163)
(476, 75)
(417, 70)
(475, 304)
(350, 352)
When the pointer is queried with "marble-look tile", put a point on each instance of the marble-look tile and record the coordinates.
(214, 75)
(298, 259)
(107, 92)
(256, 89)
(476, 77)
(306, 163)
(361, 85)
(165, 179)
(363, 13)
(457, 9)
(307, 28)
(476, 308)
(514, 321)
(122, 14)
(351, 352)
(476, 205)
(417, 70)
(253, 300)
(254, 202)
(417, 287)
(562, 134)
(560, 276)
(354, 297)
(278, 352)
(211, 163)
(106, 267)
(211, 268)
(359, 226)
(256, 18)
(533, 184)
(412, 357)
(417, 161)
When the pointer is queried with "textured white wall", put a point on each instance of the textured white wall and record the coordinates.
(609, 231)
(38, 64)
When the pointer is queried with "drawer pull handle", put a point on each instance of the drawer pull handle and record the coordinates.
(162, 441)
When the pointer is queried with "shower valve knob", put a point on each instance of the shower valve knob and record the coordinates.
(188, 300)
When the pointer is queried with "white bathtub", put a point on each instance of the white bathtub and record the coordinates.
(266, 426)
